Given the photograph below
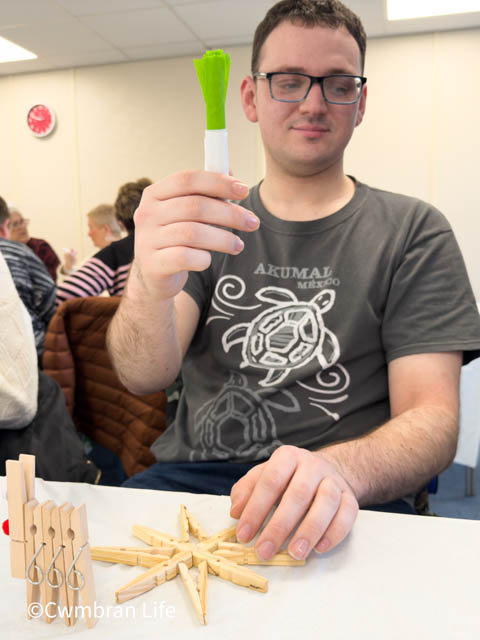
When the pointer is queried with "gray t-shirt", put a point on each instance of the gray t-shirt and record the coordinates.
(296, 332)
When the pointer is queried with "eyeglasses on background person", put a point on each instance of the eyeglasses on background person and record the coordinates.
(18, 223)
(295, 87)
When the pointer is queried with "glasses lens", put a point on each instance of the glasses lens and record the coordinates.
(289, 86)
(341, 89)
(19, 223)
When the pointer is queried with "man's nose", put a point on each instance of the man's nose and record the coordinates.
(315, 100)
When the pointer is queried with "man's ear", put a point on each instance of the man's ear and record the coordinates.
(362, 103)
(5, 229)
(248, 93)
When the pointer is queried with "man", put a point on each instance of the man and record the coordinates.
(326, 346)
(32, 280)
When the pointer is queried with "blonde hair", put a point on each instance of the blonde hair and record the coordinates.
(105, 214)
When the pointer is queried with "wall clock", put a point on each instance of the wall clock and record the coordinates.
(41, 120)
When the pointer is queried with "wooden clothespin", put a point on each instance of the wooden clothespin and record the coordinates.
(231, 571)
(192, 592)
(43, 556)
(65, 511)
(211, 544)
(184, 524)
(20, 490)
(32, 574)
(59, 568)
(157, 538)
(202, 587)
(82, 562)
(242, 554)
(155, 576)
(196, 528)
(133, 555)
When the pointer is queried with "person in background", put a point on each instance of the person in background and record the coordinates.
(103, 228)
(18, 362)
(41, 248)
(34, 284)
(107, 270)
(103, 225)
(321, 341)
(33, 415)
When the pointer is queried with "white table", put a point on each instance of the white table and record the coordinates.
(395, 576)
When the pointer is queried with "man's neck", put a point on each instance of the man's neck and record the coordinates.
(306, 198)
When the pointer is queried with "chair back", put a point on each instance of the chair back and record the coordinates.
(102, 408)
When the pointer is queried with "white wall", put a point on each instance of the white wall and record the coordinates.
(122, 122)
(421, 133)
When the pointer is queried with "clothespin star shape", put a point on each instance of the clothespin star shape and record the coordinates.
(219, 554)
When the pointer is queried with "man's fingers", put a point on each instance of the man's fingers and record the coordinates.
(198, 236)
(322, 511)
(340, 525)
(270, 485)
(198, 209)
(294, 504)
(216, 185)
(243, 489)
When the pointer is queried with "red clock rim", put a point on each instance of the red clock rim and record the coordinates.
(53, 118)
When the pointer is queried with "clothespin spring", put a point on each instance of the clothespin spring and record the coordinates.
(77, 573)
(55, 570)
(35, 566)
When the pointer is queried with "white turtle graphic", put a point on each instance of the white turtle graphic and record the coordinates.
(286, 336)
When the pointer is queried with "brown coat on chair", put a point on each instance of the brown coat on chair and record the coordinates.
(76, 357)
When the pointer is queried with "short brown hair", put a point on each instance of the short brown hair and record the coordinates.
(310, 13)
(4, 212)
(128, 199)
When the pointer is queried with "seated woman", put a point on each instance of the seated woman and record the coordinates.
(41, 248)
(107, 270)
(103, 228)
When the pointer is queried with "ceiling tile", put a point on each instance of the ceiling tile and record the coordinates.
(220, 20)
(95, 7)
(19, 12)
(56, 38)
(165, 50)
(140, 28)
(49, 63)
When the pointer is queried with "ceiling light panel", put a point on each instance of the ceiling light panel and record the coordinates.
(408, 9)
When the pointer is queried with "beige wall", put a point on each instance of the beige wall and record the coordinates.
(121, 122)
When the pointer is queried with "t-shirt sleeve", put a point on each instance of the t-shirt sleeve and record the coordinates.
(198, 287)
(430, 306)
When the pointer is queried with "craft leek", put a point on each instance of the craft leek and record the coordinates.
(212, 72)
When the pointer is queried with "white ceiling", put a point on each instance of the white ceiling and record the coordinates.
(75, 33)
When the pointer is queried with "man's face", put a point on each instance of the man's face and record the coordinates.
(18, 228)
(308, 137)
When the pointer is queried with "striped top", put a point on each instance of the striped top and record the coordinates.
(107, 270)
(34, 285)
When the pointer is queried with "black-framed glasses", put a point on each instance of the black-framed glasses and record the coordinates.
(294, 87)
